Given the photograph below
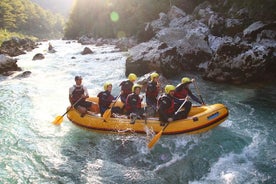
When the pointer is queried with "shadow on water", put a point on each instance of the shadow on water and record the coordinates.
(264, 97)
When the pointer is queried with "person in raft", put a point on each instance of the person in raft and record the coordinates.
(152, 91)
(167, 108)
(133, 104)
(182, 90)
(77, 96)
(105, 99)
(126, 86)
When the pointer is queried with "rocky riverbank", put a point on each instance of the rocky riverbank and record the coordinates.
(223, 47)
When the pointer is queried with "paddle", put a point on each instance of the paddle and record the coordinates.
(197, 89)
(107, 113)
(157, 136)
(58, 120)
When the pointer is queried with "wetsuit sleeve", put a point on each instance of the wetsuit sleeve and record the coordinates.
(179, 87)
(193, 96)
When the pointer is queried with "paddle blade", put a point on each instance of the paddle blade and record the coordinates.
(107, 114)
(155, 139)
(58, 120)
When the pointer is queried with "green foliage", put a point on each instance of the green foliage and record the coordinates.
(6, 35)
(93, 17)
(28, 18)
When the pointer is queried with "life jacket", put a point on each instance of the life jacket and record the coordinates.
(133, 99)
(105, 98)
(126, 87)
(165, 99)
(152, 90)
(181, 92)
(77, 93)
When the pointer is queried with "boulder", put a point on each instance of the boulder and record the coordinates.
(153, 56)
(7, 65)
(38, 56)
(86, 50)
(17, 46)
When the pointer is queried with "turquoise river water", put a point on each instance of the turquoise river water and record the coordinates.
(33, 150)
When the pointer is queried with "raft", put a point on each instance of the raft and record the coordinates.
(200, 119)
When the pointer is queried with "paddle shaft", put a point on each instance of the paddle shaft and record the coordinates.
(157, 136)
(72, 106)
(59, 119)
(115, 101)
(107, 113)
(186, 99)
(198, 92)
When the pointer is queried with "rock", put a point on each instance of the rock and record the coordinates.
(250, 33)
(7, 65)
(38, 56)
(240, 63)
(23, 75)
(153, 56)
(17, 46)
(86, 50)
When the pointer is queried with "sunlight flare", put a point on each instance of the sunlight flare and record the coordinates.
(114, 16)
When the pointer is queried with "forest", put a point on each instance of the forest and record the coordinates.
(27, 18)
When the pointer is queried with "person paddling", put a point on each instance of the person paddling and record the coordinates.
(167, 112)
(126, 86)
(134, 104)
(76, 92)
(152, 90)
(182, 90)
(105, 99)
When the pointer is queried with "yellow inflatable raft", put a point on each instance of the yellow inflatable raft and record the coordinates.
(200, 119)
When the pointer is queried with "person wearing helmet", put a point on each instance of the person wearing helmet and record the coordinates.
(182, 90)
(166, 105)
(78, 95)
(126, 86)
(133, 104)
(152, 90)
(105, 99)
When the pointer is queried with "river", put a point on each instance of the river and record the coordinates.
(33, 150)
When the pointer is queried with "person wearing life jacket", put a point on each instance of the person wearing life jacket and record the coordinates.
(105, 99)
(78, 93)
(126, 86)
(181, 92)
(134, 103)
(50, 47)
(152, 90)
(167, 107)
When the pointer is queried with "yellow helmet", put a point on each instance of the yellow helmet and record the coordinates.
(106, 85)
(154, 75)
(132, 77)
(185, 80)
(169, 88)
(136, 86)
